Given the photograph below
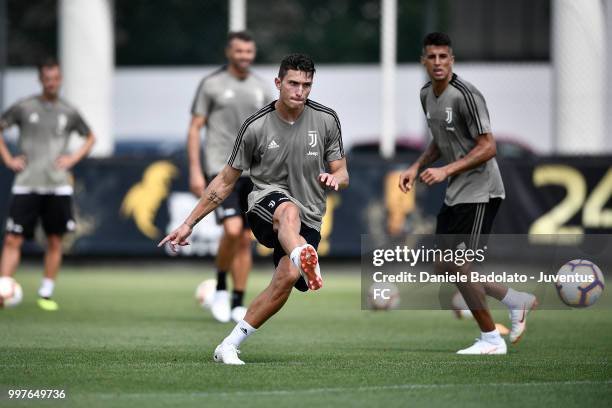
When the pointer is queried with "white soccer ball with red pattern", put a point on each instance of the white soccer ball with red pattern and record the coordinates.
(580, 283)
(205, 292)
(11, 293)
(383, 296)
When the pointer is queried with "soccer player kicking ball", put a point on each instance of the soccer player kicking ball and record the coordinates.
(293, 149)
(458, 120)
(223, 101)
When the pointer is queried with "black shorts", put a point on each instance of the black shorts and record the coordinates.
(55, 212)
(468, 223)
(260, 220)
(237, 203)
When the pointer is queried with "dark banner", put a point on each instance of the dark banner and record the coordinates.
(557, 196)
(123, 206)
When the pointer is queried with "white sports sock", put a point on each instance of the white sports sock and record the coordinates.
(295, 255)
(492, 337)
(46, 288)
(513, 299)
(240, 333)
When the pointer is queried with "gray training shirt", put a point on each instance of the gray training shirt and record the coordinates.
(288, 157)
(226, 102)
(455, 119)
(44, 132)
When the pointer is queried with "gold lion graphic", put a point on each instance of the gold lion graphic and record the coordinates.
(143, 200)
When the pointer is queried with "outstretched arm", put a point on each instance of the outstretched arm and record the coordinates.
(408, 177)
(337, 178)
(217, 191)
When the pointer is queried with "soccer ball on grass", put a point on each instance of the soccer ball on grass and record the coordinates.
(580, 283)
(383, 296)
(205, 292)
(11, 293)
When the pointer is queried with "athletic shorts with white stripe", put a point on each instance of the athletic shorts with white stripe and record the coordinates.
(468, 223)
(260, 221)
(237, 203)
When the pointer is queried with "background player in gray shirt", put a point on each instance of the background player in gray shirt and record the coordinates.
(293, 149)
(458, 121)
(223, 101)
(42, 188)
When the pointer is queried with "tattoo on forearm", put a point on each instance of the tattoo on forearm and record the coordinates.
(193, 224)
(213, 197)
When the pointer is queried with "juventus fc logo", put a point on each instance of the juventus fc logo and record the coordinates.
(312, 138)
(449, 115)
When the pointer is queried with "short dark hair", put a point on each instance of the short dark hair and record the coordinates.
(437, 38)
(239, 35)
(296, 62)
(48, 62)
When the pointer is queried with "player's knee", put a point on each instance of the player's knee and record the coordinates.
(54, 243)
(232, 228)
(246, 239)
(13, 241)
(232, 235)
(288, 213)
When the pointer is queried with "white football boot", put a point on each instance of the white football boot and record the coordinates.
(220, 307)
(309, 267)
(238, 313)
(484, 347)
(227, 353)
(518, 317)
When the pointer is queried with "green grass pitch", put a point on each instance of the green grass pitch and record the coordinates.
(134, 336)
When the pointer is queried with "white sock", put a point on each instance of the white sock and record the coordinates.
(46, 288)
(492, 337)
(240, 333)
(513, 299)
(295, 255)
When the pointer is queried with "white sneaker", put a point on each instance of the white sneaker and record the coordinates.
(238, 313)
(227, 354)
(484, 347)
(308, 266)
(518, 317)
(220, 307)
